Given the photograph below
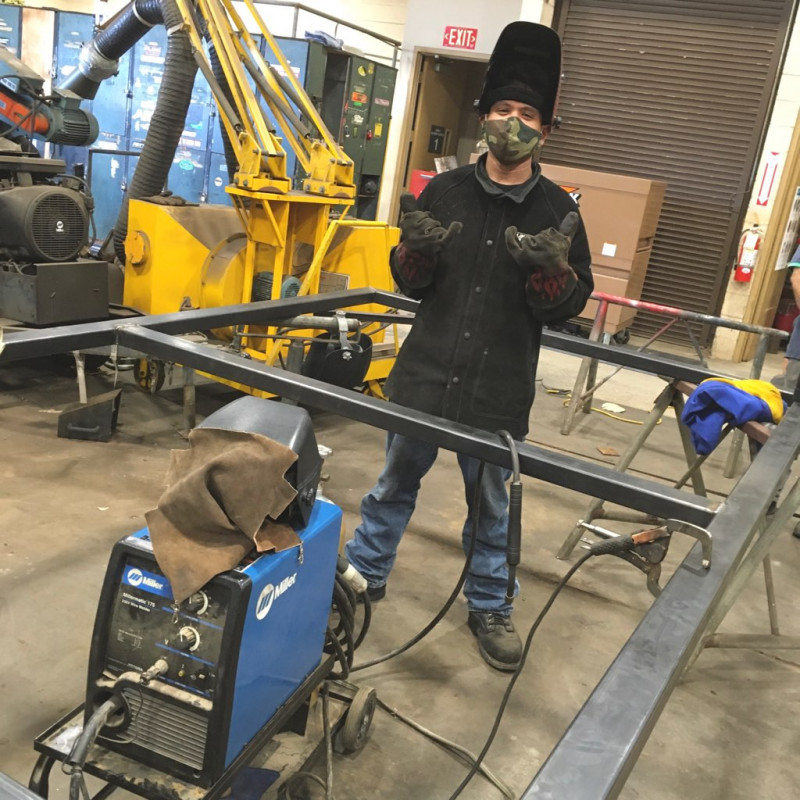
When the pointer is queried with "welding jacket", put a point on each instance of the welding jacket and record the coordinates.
(472, 352)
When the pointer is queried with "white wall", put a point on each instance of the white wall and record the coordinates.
(779, 135)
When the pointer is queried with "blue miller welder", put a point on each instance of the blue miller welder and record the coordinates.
(190, 689)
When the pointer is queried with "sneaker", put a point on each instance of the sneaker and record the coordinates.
(376, 593)
(788, 380)
(498, 641)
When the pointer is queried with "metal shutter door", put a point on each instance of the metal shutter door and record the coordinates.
(680, 92)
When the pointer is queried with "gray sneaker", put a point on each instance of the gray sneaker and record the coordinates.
(788, 380)
(498, 641)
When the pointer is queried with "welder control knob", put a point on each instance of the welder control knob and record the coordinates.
(197, 603)
(187, 639)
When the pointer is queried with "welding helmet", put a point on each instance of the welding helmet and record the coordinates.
(525, 66)
(339, 359)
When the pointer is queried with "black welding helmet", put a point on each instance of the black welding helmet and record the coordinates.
(339, 359)
(525, 66)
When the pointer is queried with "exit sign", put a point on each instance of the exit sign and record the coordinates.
(464, 38)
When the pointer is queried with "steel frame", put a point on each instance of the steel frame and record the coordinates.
(599, 749)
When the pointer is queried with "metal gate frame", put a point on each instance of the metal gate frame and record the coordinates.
(601, 745)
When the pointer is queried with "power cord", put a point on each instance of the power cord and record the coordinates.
(567, 393)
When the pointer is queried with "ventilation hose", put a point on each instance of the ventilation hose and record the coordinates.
(230, 155)
(166, 125)
(99, 58)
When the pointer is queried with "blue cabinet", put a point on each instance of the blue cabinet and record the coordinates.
(11, 28)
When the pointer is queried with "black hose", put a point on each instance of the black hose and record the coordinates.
(216, 67)
(124, 29)
(98, 58)
(166, 125)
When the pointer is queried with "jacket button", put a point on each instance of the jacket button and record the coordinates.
(456, 380)
(478, 289)
(489, 242)
(467, 335)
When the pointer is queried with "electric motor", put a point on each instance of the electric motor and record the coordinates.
(42, 223)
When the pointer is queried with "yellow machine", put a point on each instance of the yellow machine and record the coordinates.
(274, 237)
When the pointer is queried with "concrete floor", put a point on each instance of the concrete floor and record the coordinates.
(729, 731)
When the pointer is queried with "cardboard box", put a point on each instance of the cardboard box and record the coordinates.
(620, 212)
(617, 317)
(621, 283)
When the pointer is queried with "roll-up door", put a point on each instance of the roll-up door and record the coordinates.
(679, 92)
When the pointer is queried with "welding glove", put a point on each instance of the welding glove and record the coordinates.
(420, 232)
(544, 257)
(422, 238)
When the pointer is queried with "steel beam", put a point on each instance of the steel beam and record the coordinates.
(573, 473)
(600, 747)
(46, 341)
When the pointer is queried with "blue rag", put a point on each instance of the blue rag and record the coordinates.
(712, 405)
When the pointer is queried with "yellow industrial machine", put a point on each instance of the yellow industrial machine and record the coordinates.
(279, 240)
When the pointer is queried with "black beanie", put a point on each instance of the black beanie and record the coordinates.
(516, 90)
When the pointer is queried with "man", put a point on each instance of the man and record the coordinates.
(492, 251)
(787, 380)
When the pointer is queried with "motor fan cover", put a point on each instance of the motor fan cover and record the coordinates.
(42, 223)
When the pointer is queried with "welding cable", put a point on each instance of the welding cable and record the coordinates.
(340, 636)
(452, 747)
(285, 792)
(514, 532)
(518, 671)
(354, 599)
(603, 547)
(476, 507)
(73, 763)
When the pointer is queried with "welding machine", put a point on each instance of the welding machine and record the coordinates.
(198, 681)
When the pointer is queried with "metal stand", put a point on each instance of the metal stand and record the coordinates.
(758, 554)
(670, 396)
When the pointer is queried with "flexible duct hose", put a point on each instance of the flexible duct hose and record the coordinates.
(99, 59)
(230, 156)
(166, 125)
(126, 28)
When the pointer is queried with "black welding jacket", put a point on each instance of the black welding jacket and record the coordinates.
(472, 352)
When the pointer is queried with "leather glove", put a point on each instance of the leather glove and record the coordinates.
(545, 258)
(420, 232)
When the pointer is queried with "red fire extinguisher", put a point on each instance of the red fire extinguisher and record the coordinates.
(748, 254)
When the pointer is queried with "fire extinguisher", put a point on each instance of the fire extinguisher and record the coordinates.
(748, 254)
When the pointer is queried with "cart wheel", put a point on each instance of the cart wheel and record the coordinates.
(796, 531)
(623, 336)
(358, 719)
(150, 374)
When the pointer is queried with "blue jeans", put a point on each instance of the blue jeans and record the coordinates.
(793, 347)
(387, 508)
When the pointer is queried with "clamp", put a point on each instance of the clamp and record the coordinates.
(646, 549)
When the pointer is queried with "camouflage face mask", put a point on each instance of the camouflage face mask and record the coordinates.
(510, 139)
